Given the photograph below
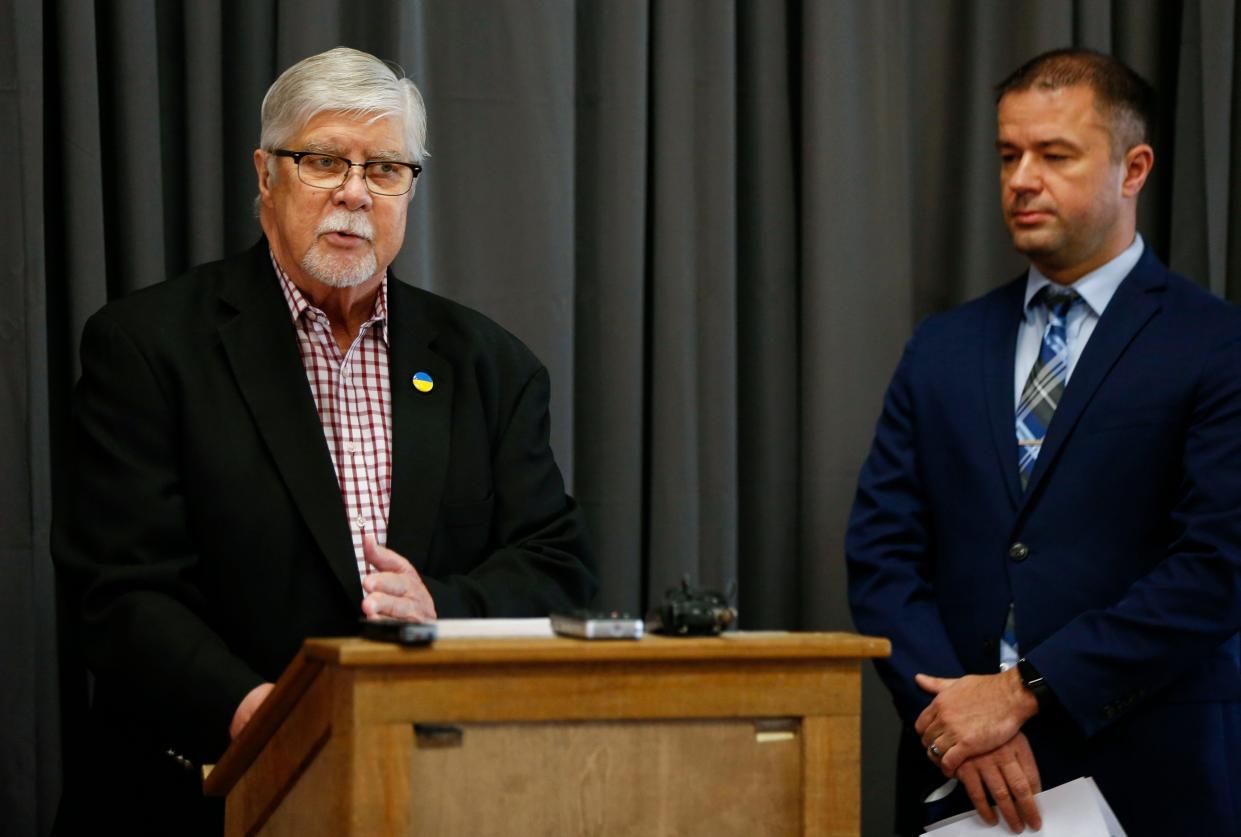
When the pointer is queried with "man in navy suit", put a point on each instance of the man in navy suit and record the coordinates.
(1048, 524)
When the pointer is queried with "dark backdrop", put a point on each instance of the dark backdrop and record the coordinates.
(716, 222)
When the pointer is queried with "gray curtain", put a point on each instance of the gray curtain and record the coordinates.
(716, 222)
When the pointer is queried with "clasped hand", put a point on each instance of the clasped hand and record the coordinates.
(394, 590)
(972, 730)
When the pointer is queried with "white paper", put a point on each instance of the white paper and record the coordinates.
(492, 628)
(1074, 809)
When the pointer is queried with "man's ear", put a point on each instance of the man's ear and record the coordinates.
(1139, 161)
(264, 175)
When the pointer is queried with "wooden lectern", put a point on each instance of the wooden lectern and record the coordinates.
(748, 733)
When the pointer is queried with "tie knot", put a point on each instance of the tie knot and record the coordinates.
(1059, 301)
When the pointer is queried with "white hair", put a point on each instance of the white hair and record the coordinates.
(346, 80)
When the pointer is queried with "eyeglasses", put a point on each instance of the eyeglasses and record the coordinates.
(327, 171)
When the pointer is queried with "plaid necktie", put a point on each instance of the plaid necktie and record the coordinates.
(1046, 383)
(1039, 399)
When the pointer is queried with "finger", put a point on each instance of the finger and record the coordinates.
(1023, 793)
(1003, 797)
(371, 608)
(942, 742)
(938, 761)
(955, 752)
(969, 777)
(385, 606)
(1025, 757)
(382, 558)
(394, 584)
(933, 725)
(934, 685)
(937, 733)
(951, 758)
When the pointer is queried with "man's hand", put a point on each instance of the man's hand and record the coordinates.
(396, 591)
(972, 715)
(1010, 775)
(248, 706)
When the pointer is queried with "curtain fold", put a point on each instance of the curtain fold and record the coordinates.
(716, 222)
(611, 187)
(769, 470)
(30, 729)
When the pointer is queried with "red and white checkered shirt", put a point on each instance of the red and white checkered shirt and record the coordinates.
(355, 407)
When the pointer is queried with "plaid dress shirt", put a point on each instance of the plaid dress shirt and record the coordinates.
(353, 396)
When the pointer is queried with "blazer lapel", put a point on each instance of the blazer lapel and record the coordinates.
(261, 346)
(421, 423)
(1130, 310)
(999, 357)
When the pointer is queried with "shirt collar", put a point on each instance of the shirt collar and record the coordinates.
(299, 305)
(1098, 286)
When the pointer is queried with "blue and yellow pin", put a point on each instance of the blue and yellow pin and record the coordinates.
(423, 382)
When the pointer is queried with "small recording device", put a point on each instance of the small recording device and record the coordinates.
(594, 624)
(398, 631)
(689, 612)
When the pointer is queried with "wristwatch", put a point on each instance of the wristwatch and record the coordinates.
(1034, 683)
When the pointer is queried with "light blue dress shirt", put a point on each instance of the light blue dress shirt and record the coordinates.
(1096, 288)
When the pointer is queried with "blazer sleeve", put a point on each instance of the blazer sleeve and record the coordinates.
(122, 546)
(542, 562)
(889, 554)
(1105, 662)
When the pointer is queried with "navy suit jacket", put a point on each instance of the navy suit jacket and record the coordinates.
(203, 536)
(1122, 557)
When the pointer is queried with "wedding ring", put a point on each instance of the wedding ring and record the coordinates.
(934, 751)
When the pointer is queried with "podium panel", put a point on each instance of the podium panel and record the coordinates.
(742, 734)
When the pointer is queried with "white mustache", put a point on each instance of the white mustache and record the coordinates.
(353, 223)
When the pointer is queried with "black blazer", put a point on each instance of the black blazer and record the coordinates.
(204, 537)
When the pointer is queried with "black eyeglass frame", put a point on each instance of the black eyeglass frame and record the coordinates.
(297, 156)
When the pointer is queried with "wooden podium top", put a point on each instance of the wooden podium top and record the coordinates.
(770, 645)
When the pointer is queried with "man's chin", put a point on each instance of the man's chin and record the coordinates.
(1035, 243)
(340, 272)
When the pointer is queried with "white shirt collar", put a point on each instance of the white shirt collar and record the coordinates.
(1099, 285)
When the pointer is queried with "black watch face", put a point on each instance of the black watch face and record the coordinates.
(1030, 677)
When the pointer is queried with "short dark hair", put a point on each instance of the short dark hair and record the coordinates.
(1123, 98)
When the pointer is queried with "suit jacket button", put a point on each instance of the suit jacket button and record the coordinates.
(1019, 552)
(988, 646)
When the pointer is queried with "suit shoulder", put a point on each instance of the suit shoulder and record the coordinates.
(1187, 298)
(178, 301)
(965, 319)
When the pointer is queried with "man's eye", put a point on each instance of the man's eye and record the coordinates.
(318, 161)
(383, 169)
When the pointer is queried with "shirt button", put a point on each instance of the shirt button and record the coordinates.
(351, 447)
(360, 522)
(1019, 552)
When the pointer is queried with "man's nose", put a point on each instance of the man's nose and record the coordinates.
(353, 194)
(1024, 175)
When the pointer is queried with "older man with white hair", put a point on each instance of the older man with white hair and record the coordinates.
(282, 443)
